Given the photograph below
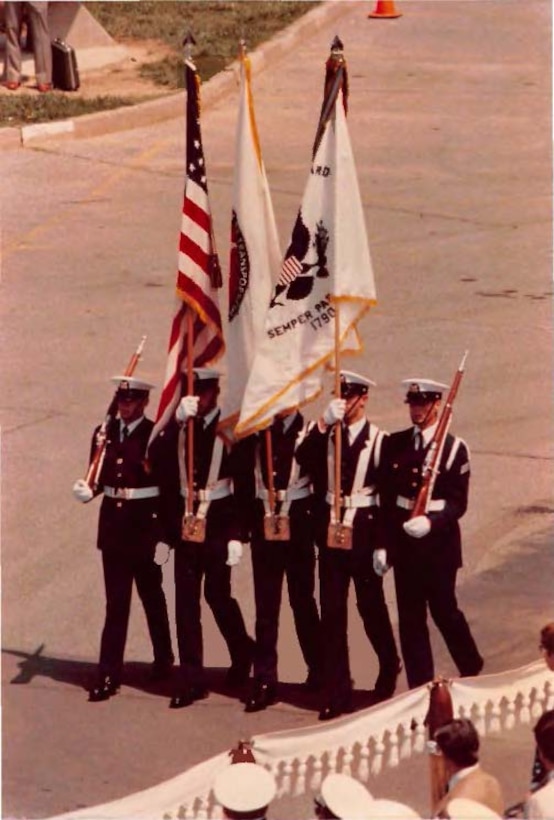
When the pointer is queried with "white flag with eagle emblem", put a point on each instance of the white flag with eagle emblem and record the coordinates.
(327, 262)
(255, 254)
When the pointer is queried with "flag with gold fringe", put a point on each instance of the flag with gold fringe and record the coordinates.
(255, 255)
(327, 262)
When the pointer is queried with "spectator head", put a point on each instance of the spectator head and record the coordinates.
(244, 790)
(547, 644)
(459, 742)
(343, 797)
(544, 735)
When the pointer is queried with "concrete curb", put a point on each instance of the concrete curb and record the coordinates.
(172, 105)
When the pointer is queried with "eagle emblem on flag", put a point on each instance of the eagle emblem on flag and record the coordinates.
(296, 279)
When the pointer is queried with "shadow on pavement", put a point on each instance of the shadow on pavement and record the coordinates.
(137, 676)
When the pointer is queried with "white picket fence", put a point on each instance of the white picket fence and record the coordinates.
(361, 744)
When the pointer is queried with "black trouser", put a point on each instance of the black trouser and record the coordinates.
(337, 568)
(271, 561)
(120, 570)
(206, 562)
(419, 584)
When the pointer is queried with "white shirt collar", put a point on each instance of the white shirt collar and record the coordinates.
(130, 427)
(461, 775)
(355, 429)
(427, 434)
(210, 416)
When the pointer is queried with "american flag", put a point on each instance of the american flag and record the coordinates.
(198, 275)
(290, 270)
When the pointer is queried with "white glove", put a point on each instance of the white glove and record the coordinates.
(162, 553)
(234, 553)
(187, 408)
(335, 411)
(380, 565)
(82, 491)
(417, 527)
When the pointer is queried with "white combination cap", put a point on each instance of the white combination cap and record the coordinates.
(131, 383)
(462, 808)
(346, 797)
(392, 810)
(425, 389)
(244, 787)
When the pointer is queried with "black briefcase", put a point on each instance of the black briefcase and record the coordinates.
(65, 73)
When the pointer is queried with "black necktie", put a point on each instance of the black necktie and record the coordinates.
(418, 441)
(125, 433)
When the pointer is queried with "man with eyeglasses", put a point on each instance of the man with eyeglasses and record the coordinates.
(131, 524)
(353, 559)
(426, 550)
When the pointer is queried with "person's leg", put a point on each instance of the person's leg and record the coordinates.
(412, 623)
(300, 572)
(267, 571)
(188, 619)
(149, 581)
(13, 16)
(42, 48)
(227, 614)
(334, 578)
(452, 623)
(371, 604)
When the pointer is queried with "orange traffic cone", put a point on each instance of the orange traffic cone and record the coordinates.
(385, 8)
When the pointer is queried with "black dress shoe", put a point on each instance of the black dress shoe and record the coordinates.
(103, 689)
(336, 708)
(188, 697)
(239, 671)
(263, 695)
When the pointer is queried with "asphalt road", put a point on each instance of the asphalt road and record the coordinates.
(450, 121)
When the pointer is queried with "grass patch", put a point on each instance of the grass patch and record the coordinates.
(27, 110)
(217, 28)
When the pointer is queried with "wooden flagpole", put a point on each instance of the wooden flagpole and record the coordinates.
(338, 424)
(190, 420)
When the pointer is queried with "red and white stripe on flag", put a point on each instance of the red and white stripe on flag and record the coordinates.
(197, 292)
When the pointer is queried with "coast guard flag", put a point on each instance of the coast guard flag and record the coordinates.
(327, 262)
(255, 255)
(198, 275)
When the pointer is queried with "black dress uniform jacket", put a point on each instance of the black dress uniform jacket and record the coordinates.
(425, 568)
(337, 566)
(128, 532)
(137, 525)
(273, 560)
(204, 563)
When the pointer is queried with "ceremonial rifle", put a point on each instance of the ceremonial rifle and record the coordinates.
(430, 467)
(97, 461)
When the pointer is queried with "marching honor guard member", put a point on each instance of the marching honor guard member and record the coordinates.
(131, 524)
(282, 544)
(211, 541)
(352, 555)
(426, 550)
